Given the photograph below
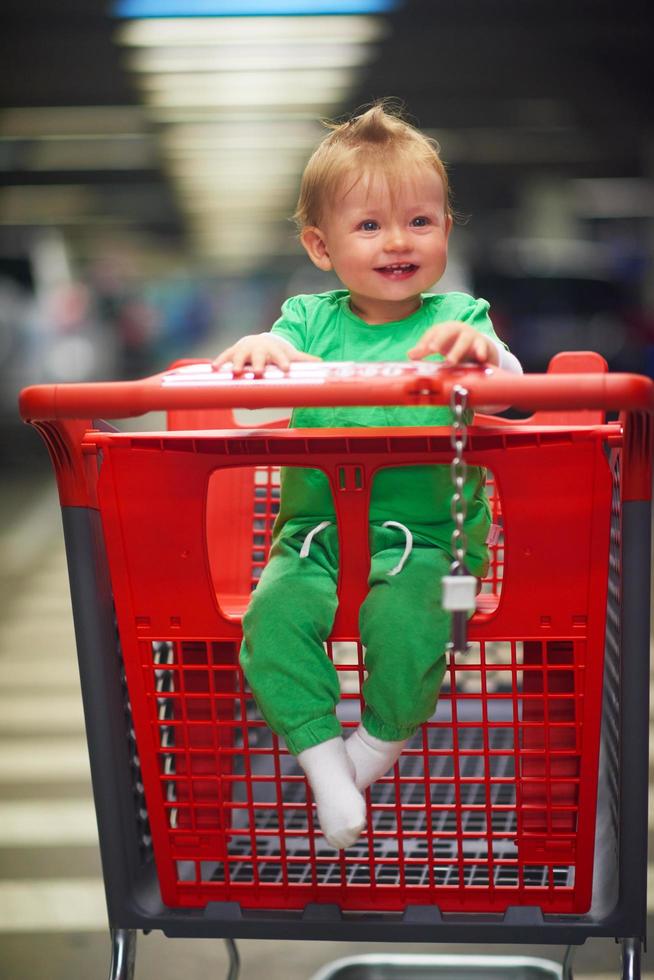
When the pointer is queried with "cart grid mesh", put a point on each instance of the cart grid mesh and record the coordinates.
(446, 818)
(492, 803)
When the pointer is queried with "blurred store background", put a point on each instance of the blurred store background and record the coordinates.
(150, 152)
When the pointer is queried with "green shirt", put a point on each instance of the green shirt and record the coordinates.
(418, 496)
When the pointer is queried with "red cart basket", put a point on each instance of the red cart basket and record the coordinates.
(518, 813)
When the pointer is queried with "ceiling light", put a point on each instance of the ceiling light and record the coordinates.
(239, 209)
(253, 135)
(236, 98)
(251, 31)
(248, 8)
(247, 57)
(245, 168)
(246, 88)
(209, 101)
(237, 157)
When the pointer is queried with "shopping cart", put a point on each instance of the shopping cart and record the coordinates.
(518, 813)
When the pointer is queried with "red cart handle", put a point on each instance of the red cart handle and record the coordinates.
(193, 385)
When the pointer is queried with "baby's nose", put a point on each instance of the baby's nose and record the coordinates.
(396, 240)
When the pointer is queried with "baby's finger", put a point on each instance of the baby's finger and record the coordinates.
(481, 351)
(258, 359)
(441, 340)
(223, 358)
(424, 346)
(458, 350)
(279, 357)
(240, 359)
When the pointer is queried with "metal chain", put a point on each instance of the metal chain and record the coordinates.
(458, 472)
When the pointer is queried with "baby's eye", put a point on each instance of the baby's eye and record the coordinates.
(369, 225)
(421, 221)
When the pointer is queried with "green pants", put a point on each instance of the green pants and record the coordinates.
(402, 625)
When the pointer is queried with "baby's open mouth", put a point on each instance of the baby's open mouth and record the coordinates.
(397, 270)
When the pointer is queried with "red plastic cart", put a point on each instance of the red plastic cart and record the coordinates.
(517, 814)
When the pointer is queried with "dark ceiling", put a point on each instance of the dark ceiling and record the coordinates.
(513, 87)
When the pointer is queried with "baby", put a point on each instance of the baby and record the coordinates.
(373, 208)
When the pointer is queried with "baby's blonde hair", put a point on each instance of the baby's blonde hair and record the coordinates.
(379, 141)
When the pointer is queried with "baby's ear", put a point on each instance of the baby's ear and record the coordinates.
(315, 244)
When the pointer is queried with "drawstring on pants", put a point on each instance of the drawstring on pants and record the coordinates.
(306, 544)
(407, 547)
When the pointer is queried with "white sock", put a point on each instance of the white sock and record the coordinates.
(372, 757)
(341, 807)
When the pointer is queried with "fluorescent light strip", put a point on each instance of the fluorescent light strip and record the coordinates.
(205, 115)
(248, 193)
(242, 169)
(254, 136)
(184, 31)
(259, 234)
(248, 8)
(255, 89)
(243, 193)
(220, 190)
(243, 211)
(237, 58)
(207, 176)
(237, 101)
(260, 82)
(200, 158)
(242, 197)
(175, 100)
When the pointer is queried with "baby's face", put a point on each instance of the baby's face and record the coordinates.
(388, 244)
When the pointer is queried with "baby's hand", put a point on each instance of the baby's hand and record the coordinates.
(457, 342)
(256, 351)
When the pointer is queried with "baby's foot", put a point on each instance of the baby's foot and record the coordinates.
(372, 757)
(341, 807)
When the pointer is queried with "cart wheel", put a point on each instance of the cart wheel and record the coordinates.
(123, 954)
(631, 959)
